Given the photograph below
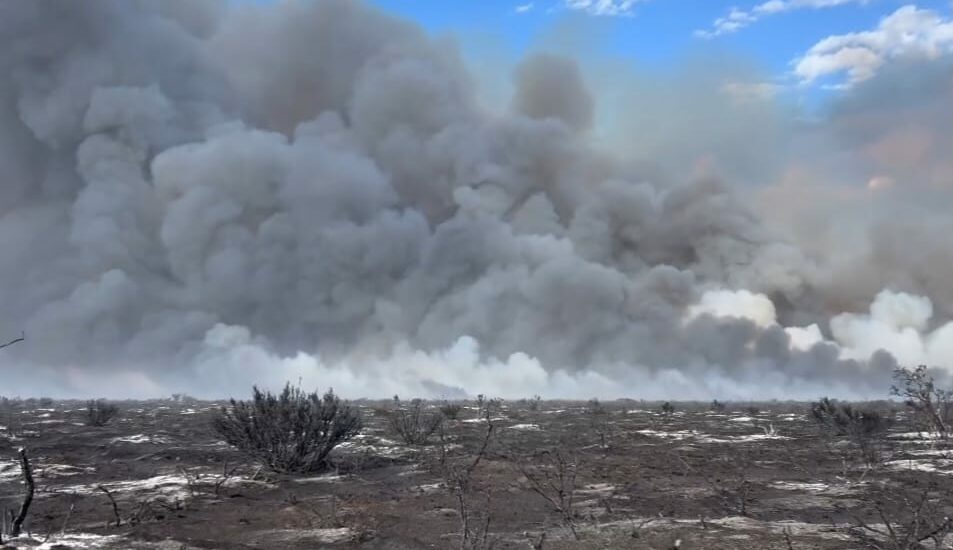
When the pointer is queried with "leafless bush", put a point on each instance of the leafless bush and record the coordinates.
(732, 484)
(718, 406)
(99, 412)
(458, 475)
(451, 411)
(843, 419)
(533, 403)
(197, 481)
(932, 406)
(594, 407)
(413, 423)
(668, 409)
(906, 517)
(486, 407)
(292, 432)
(551, 474)
(599, 422)
(863, 428)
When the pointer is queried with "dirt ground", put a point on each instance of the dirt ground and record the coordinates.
(622, 474)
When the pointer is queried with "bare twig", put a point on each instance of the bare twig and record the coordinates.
(28, 497)
(22, 338)
(69, 514)
(552, 476)
(458, 478)
(226, 475)
(789, 543)
(113, 502)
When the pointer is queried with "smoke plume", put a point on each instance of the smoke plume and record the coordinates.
(198, 196)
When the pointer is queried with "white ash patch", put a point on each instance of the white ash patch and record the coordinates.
(9, 470)
(429, 488)
(597, 489)
(81, 541)
(62, 470)
(676, 435)
(140, 438)
(324, 478)
(800, 486)
(69, 540)
(479, 420)
(173, 486)
(280, 538)
(372, 445)
(741, 438)
(832, 490)
(932, 465)
(917, 436)
(523, 427)
(708, 438)
(943, 453)
(743, 419)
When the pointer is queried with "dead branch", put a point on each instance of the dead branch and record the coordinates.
(458, 478)
(28, 497)
(552, 476)
(22, 338)
(113, 502)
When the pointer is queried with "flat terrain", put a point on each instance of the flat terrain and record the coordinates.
(619, 474)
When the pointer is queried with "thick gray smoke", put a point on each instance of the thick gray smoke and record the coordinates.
(197, 197)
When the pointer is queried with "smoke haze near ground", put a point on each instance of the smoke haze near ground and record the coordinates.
(198, 196)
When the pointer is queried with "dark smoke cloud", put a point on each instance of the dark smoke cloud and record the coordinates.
(199, 197)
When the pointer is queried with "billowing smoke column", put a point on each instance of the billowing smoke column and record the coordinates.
(196, 197)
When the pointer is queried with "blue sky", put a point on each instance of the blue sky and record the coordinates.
(774, 35)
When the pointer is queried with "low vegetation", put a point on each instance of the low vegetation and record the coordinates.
(484, 473)
(931, 405)
(413, 423)
(100, 412)
(291, 432)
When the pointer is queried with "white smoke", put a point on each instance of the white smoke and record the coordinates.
(198, 197)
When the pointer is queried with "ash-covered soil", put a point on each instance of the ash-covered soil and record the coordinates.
(628, 476)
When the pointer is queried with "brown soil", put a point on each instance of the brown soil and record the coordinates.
(728, 480)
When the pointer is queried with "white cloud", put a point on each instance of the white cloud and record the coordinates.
(603, 7)
(907, 32)
(738, 19)
(524, 8)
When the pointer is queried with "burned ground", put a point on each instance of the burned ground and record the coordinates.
(632, 477)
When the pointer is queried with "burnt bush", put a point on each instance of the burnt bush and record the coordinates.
(451, 411)
(99, 412)
(931, 405)
(291, 432)
(842, 419)
(412, 423)
(865, 429)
